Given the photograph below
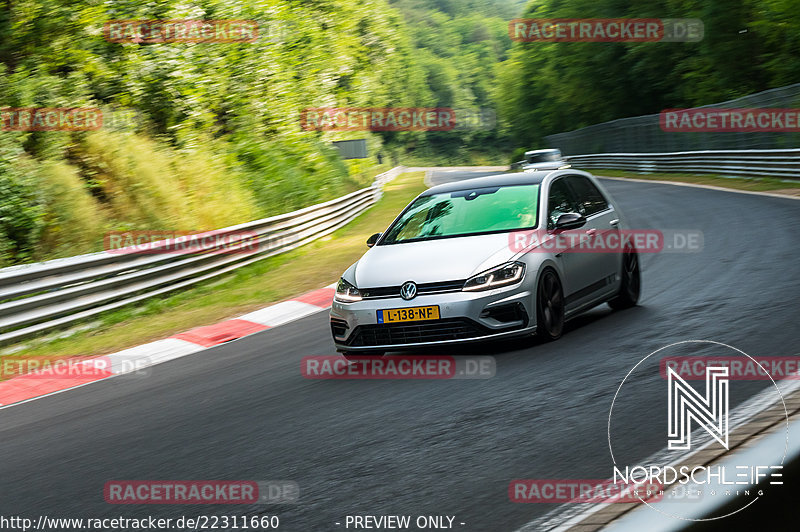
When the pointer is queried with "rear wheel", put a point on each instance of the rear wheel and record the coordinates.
(549, 306)
(631, 284)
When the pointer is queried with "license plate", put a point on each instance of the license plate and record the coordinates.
(396, 315)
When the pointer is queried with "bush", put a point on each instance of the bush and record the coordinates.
(73, 220)
(145, 185)
(20, 209)
(517, 155)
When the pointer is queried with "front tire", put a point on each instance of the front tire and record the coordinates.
(631, 284)
(549, 306)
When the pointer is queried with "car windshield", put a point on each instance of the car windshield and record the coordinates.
(467, 212)
(544, 157)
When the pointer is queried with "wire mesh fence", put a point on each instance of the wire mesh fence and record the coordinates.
(643, 134)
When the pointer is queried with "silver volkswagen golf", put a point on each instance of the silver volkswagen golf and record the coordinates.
(472, 260)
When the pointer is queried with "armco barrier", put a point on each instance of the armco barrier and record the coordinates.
(35, 298)
(783, 164)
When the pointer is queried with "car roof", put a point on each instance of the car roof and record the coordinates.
(542, 151)
(496, 180)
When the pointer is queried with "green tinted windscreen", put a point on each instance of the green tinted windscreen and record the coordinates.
(480, 210)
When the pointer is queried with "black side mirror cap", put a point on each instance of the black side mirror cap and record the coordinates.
(374, 238)
(570, 220)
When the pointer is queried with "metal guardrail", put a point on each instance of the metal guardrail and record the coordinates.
(36, 298)
(783, 164)
(643, 134)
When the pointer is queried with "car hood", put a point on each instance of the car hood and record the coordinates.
(430, 261)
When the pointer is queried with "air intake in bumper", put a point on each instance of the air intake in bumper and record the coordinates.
(412, 333)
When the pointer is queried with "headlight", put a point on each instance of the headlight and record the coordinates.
(503, 275)
(346, 292)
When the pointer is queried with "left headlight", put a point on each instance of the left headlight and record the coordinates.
(503, 275)
(346, 292)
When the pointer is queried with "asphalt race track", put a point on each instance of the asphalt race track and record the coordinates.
(439, 447)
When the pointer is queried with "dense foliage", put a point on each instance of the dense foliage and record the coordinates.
(198, 136)
(545, 88)
(210, 135)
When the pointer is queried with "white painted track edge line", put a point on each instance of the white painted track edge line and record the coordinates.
(743, 414)
(3, 407)
(157, 362)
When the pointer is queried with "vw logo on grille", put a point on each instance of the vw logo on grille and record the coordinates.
(408, 290)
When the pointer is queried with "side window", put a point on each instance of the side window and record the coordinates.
(560, 201)
(590, 199)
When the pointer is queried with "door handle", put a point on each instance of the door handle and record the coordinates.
(591, 231)
(614, 222)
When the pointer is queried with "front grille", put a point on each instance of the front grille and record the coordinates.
(339, 327)
(444, 286)
(422, 289)
(377, 293)
(411, 333)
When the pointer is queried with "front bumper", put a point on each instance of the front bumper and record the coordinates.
(464, 317)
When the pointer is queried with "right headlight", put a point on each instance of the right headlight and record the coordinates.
(503, 275)
(346, 292)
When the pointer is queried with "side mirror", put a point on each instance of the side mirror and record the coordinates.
(570, 220)
(374, 238)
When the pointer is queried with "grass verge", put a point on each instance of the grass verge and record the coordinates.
(789, 188)
(252, 287)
